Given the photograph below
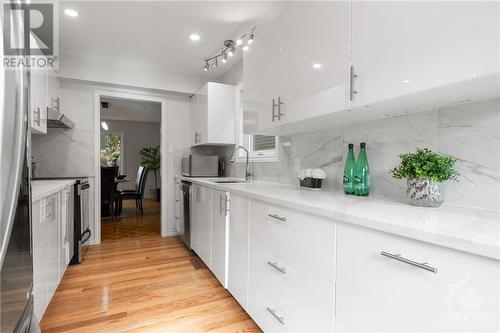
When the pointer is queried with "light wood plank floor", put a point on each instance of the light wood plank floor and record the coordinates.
(137, 281)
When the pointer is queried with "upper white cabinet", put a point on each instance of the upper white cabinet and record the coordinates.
(39, 100)
(400, 292)
(403, 47)
(324, 64)
(213, 115)
(298, 66)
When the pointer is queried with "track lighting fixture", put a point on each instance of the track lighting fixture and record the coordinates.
(229, 49)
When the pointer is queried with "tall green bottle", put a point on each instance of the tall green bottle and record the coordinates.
(362, 177)
(349, 171)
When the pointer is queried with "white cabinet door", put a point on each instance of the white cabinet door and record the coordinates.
(205, 220)
(237, 282)
(202, 115)
(53, 226)
(38, 100)
(221, 115)
(314, 59)
(219, 235)
(377, 293)
(193, 120)
(402, 47)
(195, 218)
(260, 70)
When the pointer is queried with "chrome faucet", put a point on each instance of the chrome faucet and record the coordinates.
(247, 167)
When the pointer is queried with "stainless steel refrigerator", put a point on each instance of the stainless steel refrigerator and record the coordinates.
(16, 260)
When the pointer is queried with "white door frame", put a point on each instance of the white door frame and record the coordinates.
(97, 155)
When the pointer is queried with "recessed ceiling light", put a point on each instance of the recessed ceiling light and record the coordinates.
(317, 65)
(71, 12)
(405, 81)
(194, 37)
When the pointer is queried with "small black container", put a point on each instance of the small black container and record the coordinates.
(311, 182)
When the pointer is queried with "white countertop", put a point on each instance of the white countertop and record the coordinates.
(44, 188)
(467, 229)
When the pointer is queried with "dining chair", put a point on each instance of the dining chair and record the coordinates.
(137, 193)
(108, 190)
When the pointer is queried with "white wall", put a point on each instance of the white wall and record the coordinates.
(71, 152)
(106, 71)
(136, 135)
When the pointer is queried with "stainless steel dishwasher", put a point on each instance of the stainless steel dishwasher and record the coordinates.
(186, 213)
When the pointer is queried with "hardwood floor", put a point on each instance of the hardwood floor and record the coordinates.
(137, 281)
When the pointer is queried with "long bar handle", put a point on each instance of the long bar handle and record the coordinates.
(277, 217)
(280, 103)
(38, 116)
(275, 315)
(281, 269)
(398, 257)
(273, 111)
(352, 77)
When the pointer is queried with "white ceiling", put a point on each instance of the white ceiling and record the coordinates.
(131, 110)
(156, 33)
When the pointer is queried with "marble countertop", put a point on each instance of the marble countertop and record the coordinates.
(470, 230)
(44, 188)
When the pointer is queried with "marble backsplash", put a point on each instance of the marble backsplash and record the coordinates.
(470, 132)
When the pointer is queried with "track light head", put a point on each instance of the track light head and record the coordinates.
(230, 52)
(239, 42)
(250, 39)
(206, 67)
(224, 57)
(215, 63)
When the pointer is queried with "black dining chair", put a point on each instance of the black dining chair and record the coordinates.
(108, 190)
(137, 193)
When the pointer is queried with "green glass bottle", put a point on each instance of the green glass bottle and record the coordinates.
(362, 177)
(349, 171)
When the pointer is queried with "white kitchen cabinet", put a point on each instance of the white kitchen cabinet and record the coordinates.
(219, 235)
(204, 220)
(403, 47)
(195, 223)
(213, 115)
(377, 293)
(39, 100)
(46, 245)
(291, 270)
(237, 283)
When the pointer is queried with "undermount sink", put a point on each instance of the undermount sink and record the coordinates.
(228, 181)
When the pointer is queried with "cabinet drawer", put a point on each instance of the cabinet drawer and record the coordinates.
(287, 297)
(304, 238)
(391, 294)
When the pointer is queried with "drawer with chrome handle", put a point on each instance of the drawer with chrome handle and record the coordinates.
(275, 314)
(276, 266)
(277, 217)
(398, 257)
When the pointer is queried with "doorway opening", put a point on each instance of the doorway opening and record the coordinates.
(129, 182)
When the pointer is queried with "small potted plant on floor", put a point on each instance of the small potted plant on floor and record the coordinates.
(150, 158)
(425, 171)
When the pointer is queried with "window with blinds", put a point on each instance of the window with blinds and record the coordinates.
(262, 142)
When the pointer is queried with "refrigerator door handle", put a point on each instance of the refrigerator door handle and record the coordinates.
(9, 206)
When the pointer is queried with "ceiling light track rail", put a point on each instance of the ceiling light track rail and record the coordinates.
(230, 47)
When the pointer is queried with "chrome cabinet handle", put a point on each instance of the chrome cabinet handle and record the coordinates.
(398, 257)
(280, 103)
(277, 217)
(273, 111)
(352, 76)
(281, 319)
(38, 116)
(275, 265)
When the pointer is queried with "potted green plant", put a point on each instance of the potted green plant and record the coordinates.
(425, 171)
(150, 158)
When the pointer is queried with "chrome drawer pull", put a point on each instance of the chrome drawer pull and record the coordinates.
(398, 257)
(275, 315)
(277, 217)
(281, 269)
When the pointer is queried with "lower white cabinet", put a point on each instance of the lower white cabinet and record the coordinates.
(237, 283)
(201, 223)
(386, 293)
(219, 235)
(291, 284)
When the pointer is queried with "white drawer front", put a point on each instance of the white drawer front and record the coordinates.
(304, 238)
(382, 294)
(285, 296)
